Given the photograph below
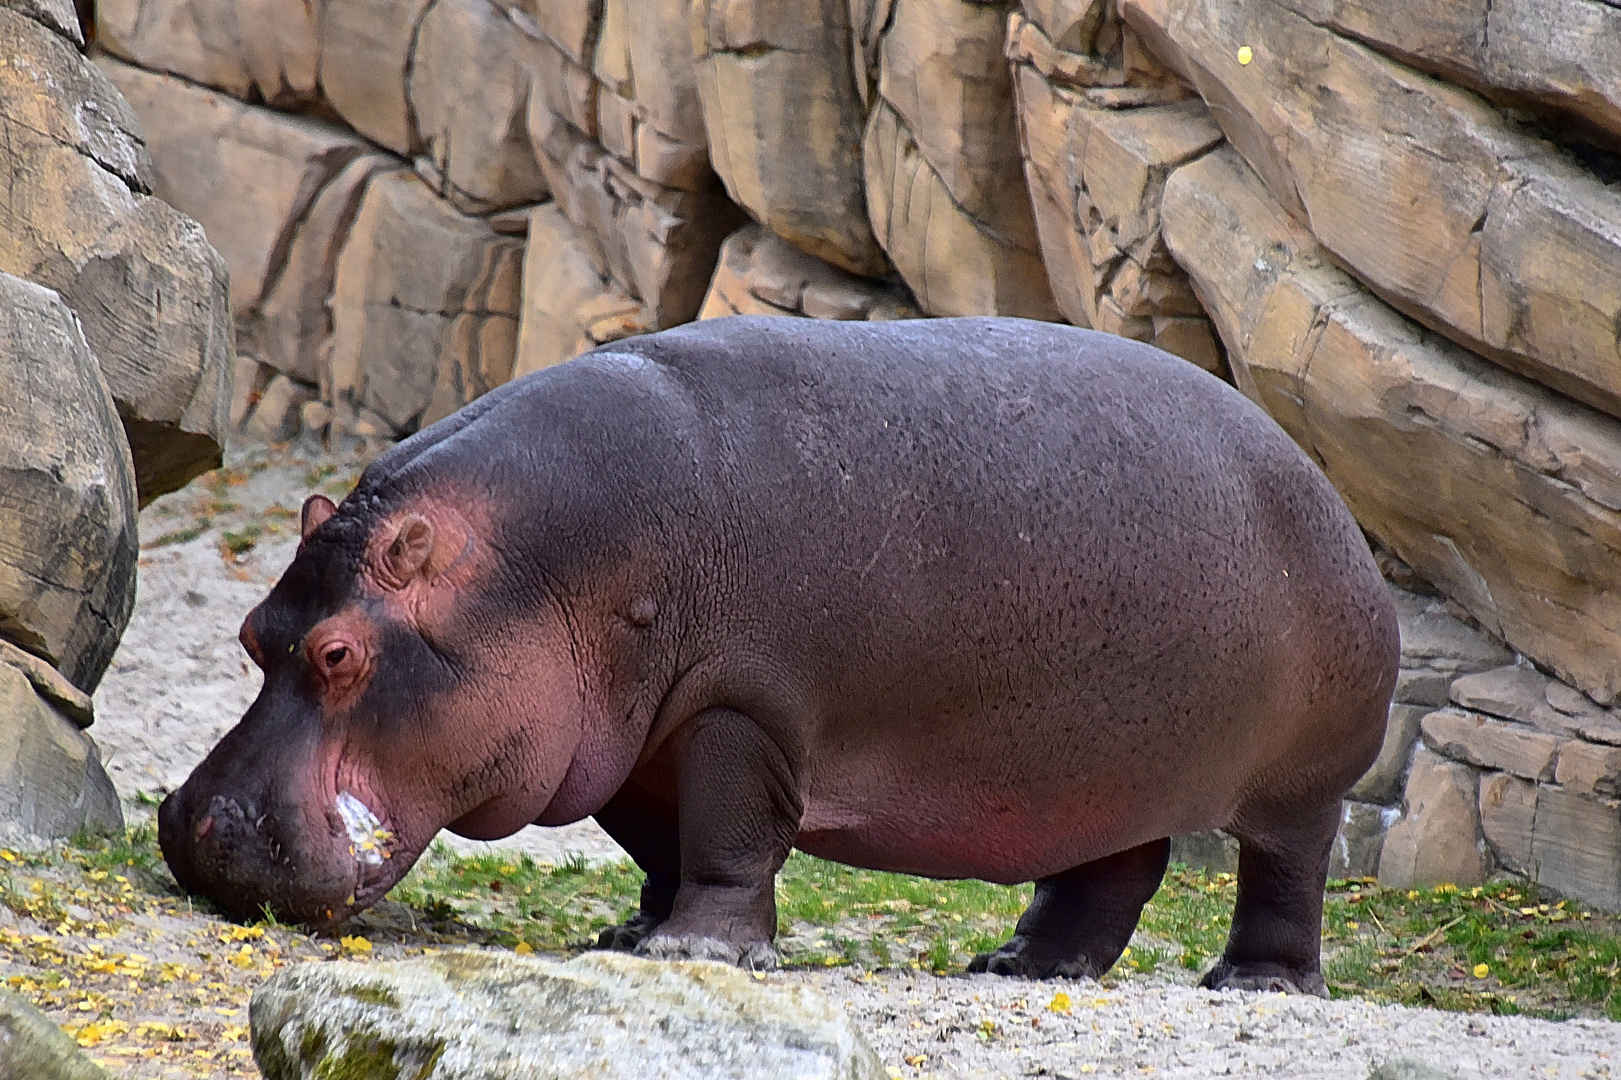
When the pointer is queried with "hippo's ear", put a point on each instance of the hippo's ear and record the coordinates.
(317, 508)
(405, 556)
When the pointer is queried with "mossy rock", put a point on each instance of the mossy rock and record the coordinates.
(32, 1046)
(473, 1015)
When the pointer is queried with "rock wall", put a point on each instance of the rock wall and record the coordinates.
(115, 368)
(1397, 231)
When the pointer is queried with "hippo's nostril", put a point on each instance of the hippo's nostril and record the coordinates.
(205, 826)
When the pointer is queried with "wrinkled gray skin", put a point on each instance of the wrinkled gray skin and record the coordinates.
(958, 597)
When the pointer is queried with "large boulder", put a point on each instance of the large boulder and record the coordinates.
(494, 1016)
(77, 217)
(32, 1046)
(52, 784)
(1503, 493)
(1428, 194)
(67, 492)
(264, 49)
(785, 120)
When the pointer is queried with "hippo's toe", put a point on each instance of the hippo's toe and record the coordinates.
(628, 934)
(1019, 958)
(1268, 978)
(753, 955)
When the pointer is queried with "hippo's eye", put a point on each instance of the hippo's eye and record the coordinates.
(336, 655)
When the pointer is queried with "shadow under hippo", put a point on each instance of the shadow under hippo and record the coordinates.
(955, 597)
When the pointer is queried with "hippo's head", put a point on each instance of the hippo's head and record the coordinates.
(394, 704)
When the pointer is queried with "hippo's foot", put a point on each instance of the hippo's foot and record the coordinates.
(1272, 978)
(753, 955)
(628, 934)
(1025, 959)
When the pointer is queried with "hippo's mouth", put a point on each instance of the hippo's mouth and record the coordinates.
(373, 847)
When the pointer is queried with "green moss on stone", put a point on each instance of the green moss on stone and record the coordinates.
(373, 994)
(369, 1060)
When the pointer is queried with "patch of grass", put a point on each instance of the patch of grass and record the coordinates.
(556, 908)
(238, 542)
(1541, 956)
(180, 536)
(137, 848)
(324, 471)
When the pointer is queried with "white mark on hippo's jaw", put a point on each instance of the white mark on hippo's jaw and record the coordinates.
(369, 842)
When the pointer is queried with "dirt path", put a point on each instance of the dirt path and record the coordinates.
(156, 988)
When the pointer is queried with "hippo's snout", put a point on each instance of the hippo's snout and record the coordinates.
(246, 858)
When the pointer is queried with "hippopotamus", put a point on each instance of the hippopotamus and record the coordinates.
(962, 598)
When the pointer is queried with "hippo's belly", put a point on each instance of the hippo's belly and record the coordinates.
(1026, 795)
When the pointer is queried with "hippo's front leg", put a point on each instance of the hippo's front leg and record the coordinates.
(649, 832)
(739, 811)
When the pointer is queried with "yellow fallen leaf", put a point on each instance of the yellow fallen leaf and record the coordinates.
(355, 944)
(524, 949)
(1245, 54)
(1482, 970)
(1060, 1003)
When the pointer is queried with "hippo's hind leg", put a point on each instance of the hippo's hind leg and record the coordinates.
(1276, 939)
(1079, 922)
(649, 832)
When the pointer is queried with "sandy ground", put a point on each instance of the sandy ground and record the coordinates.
(180, 680)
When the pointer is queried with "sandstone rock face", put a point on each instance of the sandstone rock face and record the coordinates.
(1508, 810)
(365, 50)
(148, 289)
(1492, 744)
(943, 167)
(67, 491)
(494, 1015)
(1102, 126)
(760, 273)
(785, 119)
(1562, 54)
(425, 307)
(209, 149)
(52, 784)
(1466, 223)
(1525, 538)
(262, 49)
(1576, 846)
(568, 308)
(616, 125)
(1437, 840)
(1382, 783)
(1438, 650)
(32, 1046)
(61, 16)
(469, 88)
(293, 324)
(50, 684)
